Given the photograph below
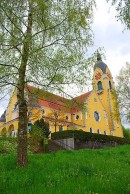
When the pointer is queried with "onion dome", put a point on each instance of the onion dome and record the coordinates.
(99, 64)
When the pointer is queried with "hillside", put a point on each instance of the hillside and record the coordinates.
(104, 171)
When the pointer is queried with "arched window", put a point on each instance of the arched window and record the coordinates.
(99, 85)
(98, 131)
(110, 85)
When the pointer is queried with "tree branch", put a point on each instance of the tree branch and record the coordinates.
(9, 66)
(50, 28)
(12, 21)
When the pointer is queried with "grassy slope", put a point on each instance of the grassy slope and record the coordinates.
(105, 171)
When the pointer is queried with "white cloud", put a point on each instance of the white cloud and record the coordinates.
(2, 110)
(110, 35)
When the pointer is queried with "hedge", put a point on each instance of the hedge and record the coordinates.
(87, 136)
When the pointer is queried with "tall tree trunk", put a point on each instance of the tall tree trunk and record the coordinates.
(22, 126)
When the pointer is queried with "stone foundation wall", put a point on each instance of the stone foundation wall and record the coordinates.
(92, 144)
(68, 143)
(75, 144)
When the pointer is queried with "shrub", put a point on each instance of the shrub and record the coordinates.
(39, 136)
(126, 132)
(8, 145)
(36, 133)
(86, 136)
(3, 132)
(44, 126)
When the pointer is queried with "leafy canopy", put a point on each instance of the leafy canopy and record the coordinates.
(123, 10)
(123, 90)
(59, 39)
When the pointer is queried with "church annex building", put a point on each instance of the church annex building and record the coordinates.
(91, 112)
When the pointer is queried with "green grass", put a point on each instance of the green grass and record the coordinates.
(105, 171)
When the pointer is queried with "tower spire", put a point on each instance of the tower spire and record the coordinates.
(99, 58)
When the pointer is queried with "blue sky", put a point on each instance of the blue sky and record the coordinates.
(109, 34)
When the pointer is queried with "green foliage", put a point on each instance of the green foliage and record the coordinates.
(126, 132)
(115, 113)
(8, 145)
(60, 34)
(104, 171)
(39, 37)
(123, 91)
(43, 126)
(37, 133)
(82, 135)
(3, 132)
(123, 10)
(39, 136)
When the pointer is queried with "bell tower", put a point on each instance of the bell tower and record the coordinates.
(103, 84)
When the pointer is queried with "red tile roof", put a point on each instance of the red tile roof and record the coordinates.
(49, 100)
(82, 97)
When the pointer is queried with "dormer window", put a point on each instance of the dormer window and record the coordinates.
(99, 85)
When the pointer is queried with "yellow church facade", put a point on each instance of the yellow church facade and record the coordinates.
(91, 112)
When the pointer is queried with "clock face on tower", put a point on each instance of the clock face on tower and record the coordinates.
(109, 75)
(98, 75)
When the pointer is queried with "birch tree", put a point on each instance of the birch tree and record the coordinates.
(123, 91)
(123, 11)
(42, 42)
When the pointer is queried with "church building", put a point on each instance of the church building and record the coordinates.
(92, 112)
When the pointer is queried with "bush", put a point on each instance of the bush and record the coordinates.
(3, 132)
(8, 145)
(86, 136)
(126, 132)
(36, 133)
